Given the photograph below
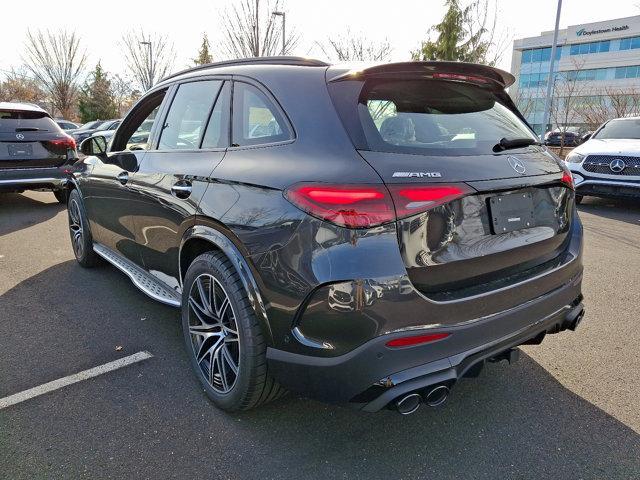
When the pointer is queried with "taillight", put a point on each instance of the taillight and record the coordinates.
(66, 142)
(366, 206)
(567, 179)
(351, 206)
(415, 340)
(412, 199)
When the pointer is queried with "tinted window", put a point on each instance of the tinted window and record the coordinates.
(217, 133)
(624, 128)
(432, 117)
(256, 120)
(188, 115)
(135, 130)
(16, 121)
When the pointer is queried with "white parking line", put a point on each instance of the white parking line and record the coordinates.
(71, 379)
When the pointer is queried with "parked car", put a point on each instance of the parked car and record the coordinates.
(90, 128)
(35, 154)
(66, 125)
(608, 164)
(554, 138)
(276, 200)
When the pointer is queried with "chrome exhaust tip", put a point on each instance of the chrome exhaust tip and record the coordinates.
(437, 396)
(408, 404)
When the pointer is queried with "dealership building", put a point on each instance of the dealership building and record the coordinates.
(597, 64)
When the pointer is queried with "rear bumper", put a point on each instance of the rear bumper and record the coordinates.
(372, 375)
(33, 178)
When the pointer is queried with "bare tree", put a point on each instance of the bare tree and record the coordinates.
(18, 86)
(251, 30)
(149, 57)
(355, 47)
(567, 90)
(485, 36)
(608, 103)
(56, 62)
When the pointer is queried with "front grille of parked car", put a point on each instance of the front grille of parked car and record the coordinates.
(600, 164)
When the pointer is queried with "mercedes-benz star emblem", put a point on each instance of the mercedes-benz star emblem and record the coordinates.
(516, 164)
(19, 136)
(617, 165)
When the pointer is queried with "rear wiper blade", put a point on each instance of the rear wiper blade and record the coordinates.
(509, 143)
(28, 129)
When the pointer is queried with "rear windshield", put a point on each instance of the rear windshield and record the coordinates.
(17, 121)
(428, 117)
(627, 128)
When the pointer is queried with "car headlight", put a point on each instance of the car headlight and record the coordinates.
(574, 158)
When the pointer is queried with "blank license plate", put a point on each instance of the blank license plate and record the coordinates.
(20, 150)
(510, 212)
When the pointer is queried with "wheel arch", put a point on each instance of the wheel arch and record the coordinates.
(199, 239)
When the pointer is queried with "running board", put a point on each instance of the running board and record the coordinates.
(146, 282)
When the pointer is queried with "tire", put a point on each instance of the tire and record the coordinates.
(61, 196)
(222, 336)
(579, 199)
(81, 240)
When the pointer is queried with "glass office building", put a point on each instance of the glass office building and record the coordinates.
(594, 62)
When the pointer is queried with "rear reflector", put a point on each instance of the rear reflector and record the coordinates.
(416, 340)
(366, 206)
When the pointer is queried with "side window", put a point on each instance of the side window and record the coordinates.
(135, 130)
(188, 115)
(217, 133)
(256, 120)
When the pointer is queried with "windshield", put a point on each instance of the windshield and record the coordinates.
(13, 120)
(435, 117)
(621, 128)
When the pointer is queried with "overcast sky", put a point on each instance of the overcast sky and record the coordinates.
(403, 22)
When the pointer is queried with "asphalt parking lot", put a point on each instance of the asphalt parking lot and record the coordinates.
(569, 409)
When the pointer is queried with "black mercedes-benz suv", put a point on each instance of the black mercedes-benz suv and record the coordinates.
(35, 153)
(359, 235)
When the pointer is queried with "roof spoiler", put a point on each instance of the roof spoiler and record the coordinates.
(453, 70)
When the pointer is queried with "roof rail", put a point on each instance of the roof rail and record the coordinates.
(278, 60)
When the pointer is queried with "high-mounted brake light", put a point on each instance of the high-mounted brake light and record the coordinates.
(366, 206)
(459, 77)
(415, 340)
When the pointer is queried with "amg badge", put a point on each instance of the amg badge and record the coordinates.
(417, 174)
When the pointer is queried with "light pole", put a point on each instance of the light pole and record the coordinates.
(148, 44)
(551, 80)
(283, 15)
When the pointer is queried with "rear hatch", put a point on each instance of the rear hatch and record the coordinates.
(480, 206)
(31, 139)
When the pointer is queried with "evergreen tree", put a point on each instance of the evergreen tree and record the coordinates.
(204, 56)
(457, 40)
(96, 99)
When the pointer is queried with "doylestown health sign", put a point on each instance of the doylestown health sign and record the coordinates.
(583, 32)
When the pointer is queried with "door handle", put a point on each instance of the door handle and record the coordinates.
(181, 189)
(123, 177)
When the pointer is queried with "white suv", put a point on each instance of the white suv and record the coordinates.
(608, 164)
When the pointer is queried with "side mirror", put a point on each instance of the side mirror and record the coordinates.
(127, 161)
(94, 146)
